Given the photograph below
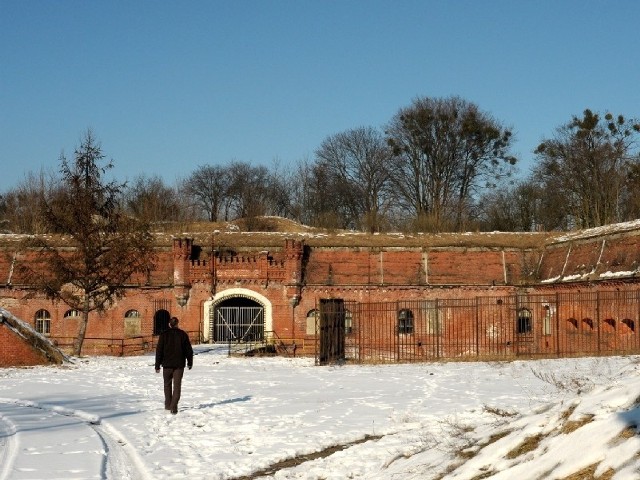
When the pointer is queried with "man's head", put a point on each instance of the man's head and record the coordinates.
(173, 323)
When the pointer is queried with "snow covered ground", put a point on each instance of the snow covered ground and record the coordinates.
(285, 418)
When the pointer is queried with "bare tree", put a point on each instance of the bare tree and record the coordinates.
(107, 246)
(358, 161)
(301, 196)
(249, 191)
(23, 204)
(150, 200)
(321, 198)
(589, 161)
(208, 186)
(521, 207)
(630, 198)
(446, 149)
(280, 190)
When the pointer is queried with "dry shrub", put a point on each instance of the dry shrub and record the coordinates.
(456, 428)
(466, 453)
(565, 383)
(498, 412)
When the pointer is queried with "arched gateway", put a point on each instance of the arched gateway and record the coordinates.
(238, 315)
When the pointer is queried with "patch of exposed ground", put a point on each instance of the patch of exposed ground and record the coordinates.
(300, 459)
(573, 425)
(588, 473)
(469, 452)
(480, 476)
(569, 426)
(628, 432)
(529, 444)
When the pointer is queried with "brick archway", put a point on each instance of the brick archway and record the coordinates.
(229, 294)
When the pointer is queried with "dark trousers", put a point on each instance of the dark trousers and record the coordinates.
(172, 387)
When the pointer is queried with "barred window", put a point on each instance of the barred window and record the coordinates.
(524, 321)
(348, 322)
(405, 321)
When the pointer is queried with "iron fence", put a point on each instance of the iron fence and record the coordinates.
(135, 345)
(532, 325)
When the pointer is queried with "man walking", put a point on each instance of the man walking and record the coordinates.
(173, 352)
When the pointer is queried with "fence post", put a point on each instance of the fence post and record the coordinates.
(557, 323)
(477, 327)
(514, 322)
(598, 319)
(396, 327)
(438, 329)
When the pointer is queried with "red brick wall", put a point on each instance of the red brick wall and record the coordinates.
(360, 274)
(591, 258)
(396, 266)
(16, 352)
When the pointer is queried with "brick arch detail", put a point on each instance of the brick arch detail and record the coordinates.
(238, 292)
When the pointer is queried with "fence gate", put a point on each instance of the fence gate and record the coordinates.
(238, 324)
(330, 325)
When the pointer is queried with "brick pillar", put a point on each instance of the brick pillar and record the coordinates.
(263, 266)
(182, 269)
(293, 250)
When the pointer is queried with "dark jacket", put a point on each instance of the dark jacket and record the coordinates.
(173, 349)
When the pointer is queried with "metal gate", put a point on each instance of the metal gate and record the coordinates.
(237, 324)
(330, 324)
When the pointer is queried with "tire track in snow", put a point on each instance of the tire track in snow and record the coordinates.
(120, 462)
(8, 447)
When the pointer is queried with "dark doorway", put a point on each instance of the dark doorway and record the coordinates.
(331, 331)
(160, 321)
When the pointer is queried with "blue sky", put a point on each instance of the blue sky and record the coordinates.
(167, 86)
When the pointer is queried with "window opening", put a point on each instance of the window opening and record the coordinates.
(524, 321)
(312, 316)
(43, 322)
(405, 321)
(348, 322)
(132, 323)
(630, 324)
(546, 324)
